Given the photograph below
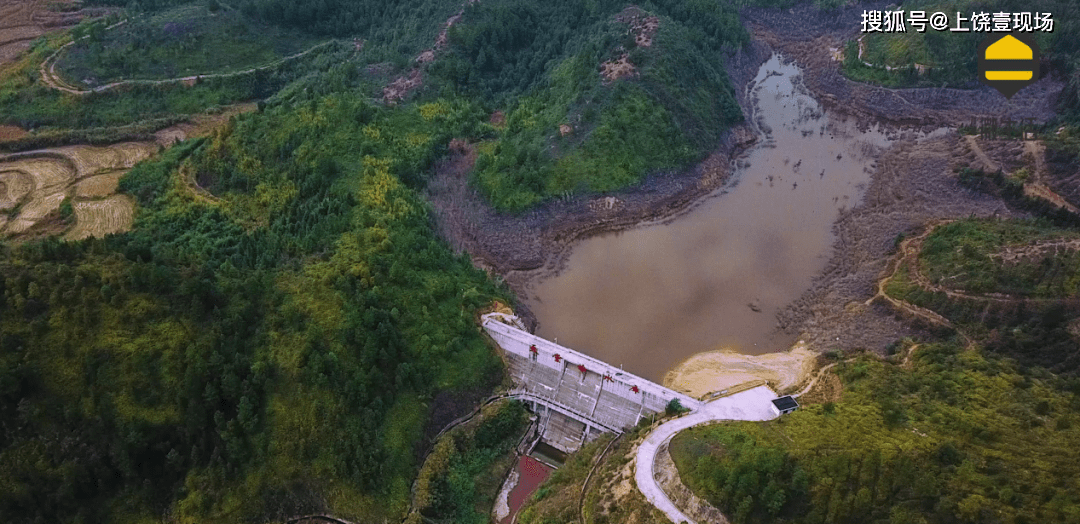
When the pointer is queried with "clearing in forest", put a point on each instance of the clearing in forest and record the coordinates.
(98, 218)
(34, 186)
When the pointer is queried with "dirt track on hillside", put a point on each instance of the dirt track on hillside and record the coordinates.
(913, 185)
(52, 79)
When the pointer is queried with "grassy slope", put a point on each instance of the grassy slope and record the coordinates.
(1035, 324)
(27, 103)
(958, 255)
(393, 35)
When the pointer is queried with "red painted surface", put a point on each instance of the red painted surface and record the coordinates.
(531, 473)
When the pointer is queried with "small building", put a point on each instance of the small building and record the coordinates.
(784, 405)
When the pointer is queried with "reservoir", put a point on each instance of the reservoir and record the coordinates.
(715, 277)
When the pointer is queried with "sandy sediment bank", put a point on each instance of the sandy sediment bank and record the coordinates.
(723, 369)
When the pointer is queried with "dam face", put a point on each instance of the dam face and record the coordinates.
(577, 397)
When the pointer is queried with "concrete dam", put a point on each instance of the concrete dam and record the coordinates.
(577, 397)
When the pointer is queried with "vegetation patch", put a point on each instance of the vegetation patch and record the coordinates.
(178, 42)
(574, 130)
(1013, 257)
(610, 495)
(463, 474)
(53, 116)
(271, 352)
(962, 437)
(1013, 189)
(1011, 285)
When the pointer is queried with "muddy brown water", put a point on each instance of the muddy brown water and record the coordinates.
(715, 277)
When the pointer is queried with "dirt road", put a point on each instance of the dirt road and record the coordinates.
(51, 79)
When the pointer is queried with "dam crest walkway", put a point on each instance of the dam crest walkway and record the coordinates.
(577, 396)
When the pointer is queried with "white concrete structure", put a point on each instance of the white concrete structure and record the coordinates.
(576, 396)
(515, 340)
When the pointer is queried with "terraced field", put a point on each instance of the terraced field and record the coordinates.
(21, 21)
(17, 28)
(33, 185)
(98, 186)
(113, 214)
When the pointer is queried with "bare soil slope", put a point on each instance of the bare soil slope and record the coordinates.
(807, 34)
(21, 21)
(913, 185)
(716, 371)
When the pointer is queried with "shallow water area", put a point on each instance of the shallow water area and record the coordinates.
(531, 473)
(715, 277)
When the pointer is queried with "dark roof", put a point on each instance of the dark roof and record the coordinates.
(785, 403)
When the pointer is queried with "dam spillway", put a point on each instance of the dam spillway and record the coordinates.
(577, 397)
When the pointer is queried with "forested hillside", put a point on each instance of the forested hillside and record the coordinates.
(275, 343)
(661, 100)
(595, 95)
(954, 436)
(282, 331)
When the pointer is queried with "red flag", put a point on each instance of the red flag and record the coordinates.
(634, 389)
(558, 358)
(608, 377)
(581, 368)
(533, 348)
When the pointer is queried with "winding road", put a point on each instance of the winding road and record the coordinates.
(50, 78)
(751, 405)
